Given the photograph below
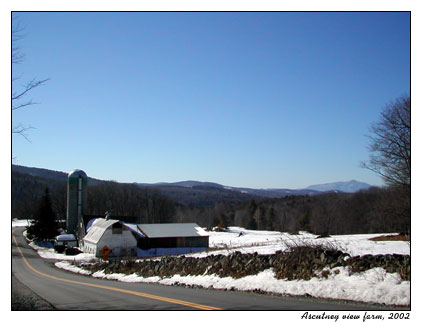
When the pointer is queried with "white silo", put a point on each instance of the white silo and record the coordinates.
(76, 199)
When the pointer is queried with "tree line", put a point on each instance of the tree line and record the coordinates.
(123, 201)
(375, 210)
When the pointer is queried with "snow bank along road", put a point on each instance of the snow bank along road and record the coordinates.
(68, 291)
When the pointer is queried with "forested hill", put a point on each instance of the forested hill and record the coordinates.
(48, 174)
(197, 194)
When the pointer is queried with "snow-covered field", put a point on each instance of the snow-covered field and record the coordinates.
(268, 242)
(373, 286)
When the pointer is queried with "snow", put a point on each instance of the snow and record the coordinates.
(134, 228)
(49, 253)
(20, 222)
(372, 286)
(200, 231)
(268, 242)
(66, 237)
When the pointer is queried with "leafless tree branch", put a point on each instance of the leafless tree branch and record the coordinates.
(22, 131)
(27, 88)
(19, 98)
(390, 144)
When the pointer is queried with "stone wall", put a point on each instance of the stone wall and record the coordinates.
(302, 262)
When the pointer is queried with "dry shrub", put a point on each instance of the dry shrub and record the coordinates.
(305, 259)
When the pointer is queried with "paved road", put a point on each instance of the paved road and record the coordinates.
(69, 291)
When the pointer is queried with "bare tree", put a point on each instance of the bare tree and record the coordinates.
(390, 144)
(20, 97)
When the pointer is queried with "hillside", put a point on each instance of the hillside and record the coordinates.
(48, 174)
(201, 195)
(185, 188)
(343, 186)
(185, 193)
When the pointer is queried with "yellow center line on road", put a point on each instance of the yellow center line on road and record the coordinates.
(155, 297)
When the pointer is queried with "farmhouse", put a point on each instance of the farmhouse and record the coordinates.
(111, 233)
(126, 239)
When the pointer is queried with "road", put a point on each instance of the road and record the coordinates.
(68, 291)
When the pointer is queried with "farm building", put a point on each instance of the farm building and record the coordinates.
(173, 236)
(61, 242)
(162, 239)
(126, 239)
(111, 233)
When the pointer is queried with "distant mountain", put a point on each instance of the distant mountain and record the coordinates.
(275, 193)
(168, 188)
(186, 184)
(343, 186)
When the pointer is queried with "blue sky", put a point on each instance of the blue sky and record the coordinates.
(260, 100)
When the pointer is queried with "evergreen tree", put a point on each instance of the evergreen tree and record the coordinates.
(222, 220)
(44, 225)
(251, 221)
(262, 219)
(304, 222)
(270, 219)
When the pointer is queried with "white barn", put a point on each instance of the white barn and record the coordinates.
(111, 233)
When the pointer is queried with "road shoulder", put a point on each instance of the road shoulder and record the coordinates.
(24, 299)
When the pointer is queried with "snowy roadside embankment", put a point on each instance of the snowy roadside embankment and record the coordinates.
(372, 286)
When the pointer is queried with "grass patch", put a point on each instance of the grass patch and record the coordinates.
(400, 237)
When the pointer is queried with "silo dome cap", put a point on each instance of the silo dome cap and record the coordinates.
(77, 174)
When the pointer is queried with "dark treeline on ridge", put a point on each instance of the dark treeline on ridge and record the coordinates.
(123, 201)
(375, 210)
